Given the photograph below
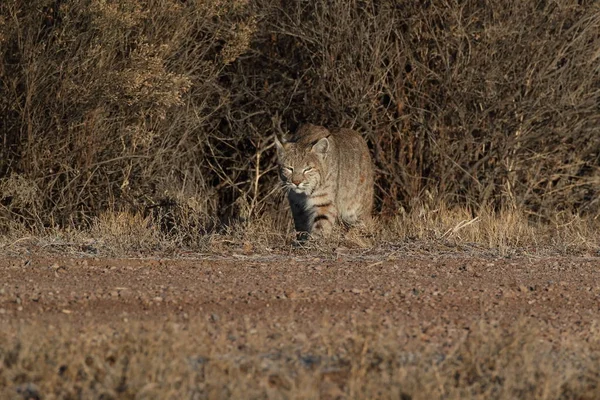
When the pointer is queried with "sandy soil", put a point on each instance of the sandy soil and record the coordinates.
(436, 298)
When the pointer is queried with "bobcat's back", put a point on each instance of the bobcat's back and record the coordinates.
(329, 177)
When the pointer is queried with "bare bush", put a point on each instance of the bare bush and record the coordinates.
(493, 105)
(110, 104)
(151, 107)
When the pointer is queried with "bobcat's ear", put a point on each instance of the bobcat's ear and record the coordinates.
(279, 147)
(322, 146)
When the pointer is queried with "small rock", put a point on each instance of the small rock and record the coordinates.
(291, 294)
(523, 289)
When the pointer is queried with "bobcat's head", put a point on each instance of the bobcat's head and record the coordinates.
(301, 165)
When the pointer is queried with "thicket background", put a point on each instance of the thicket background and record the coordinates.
(166, 107)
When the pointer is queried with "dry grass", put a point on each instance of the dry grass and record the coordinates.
(505, 230)
(455, 230)
(288, 360)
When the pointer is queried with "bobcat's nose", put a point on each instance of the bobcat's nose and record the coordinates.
(296, 181)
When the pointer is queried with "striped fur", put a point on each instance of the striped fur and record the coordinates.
(328, 176)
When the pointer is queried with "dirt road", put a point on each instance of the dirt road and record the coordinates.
(562, 293)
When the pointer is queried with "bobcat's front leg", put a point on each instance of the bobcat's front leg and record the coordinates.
(301, 221)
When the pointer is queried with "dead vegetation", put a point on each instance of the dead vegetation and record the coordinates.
(135, 128)
(422, 231)
(286, 360)
(165, 109)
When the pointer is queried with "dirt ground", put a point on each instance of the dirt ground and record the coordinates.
(428, 299)
(428, 292)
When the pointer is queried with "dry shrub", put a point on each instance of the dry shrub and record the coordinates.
(122, 105)
(472, 104)
(288, 360)
(109, 104)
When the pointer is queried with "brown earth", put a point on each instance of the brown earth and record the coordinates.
(561, 293)
(424, 300)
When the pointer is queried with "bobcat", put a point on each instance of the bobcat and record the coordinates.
(328, 176)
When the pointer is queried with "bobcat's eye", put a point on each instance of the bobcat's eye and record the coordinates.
(288, 169)
(307, 169)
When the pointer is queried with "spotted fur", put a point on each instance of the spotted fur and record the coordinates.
(328, 176)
